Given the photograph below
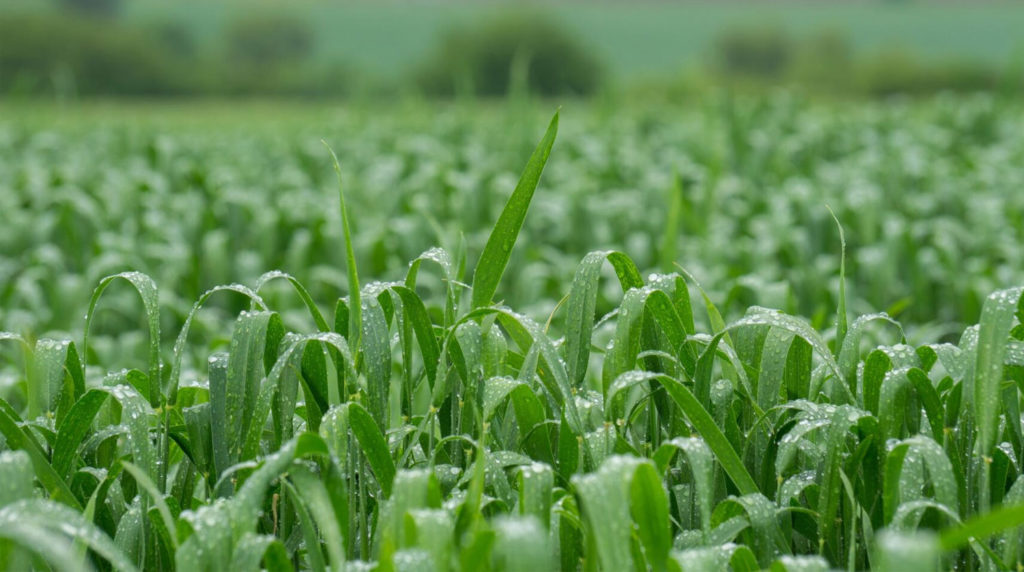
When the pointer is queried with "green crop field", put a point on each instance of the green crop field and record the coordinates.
(758, 334)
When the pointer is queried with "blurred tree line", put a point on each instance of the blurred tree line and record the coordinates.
(84, 49)
(825, 62)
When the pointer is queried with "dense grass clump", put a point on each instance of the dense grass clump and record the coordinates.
(415, 428)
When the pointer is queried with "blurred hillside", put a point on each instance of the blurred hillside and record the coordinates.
(322, 48)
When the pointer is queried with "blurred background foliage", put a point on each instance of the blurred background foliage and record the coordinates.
(80, 48)
(521, 51)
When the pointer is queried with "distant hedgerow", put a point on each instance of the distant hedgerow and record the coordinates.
(489, 59)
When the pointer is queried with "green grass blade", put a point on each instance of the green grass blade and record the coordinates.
(842, 320)
(373, 445)
(314, 555)
(649, 507)
(18, 439)
(604, 499)
(149, 293)
(376, 350)
(767, 539)
(929, 401)
(709, 431)
(723, 557)
(182, 339)
(56, 378)
(714, 316)
(535, 491)
(253, 549)
(525, 332)
(908, 515)
(57, 552)
(135, 416)
(59, 520)
(432, 530)
(668, 252)
(800, 564)
(841, 420)
(307, 300)
(702, 467)
(982, 526)
(253, 341)
(582, 302)
(495, 255)
(219, 434)
(16, 477)
(276, 393)
(313, 494)
(940, 471)
(794, 325)
(849, 351)
(774, 358)
(521, 544)
(76, 426)
(147, 485)
(892, 403)
(355, 323)
(416, 314)
(630, 332)
(414, 489)
(996, 319)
